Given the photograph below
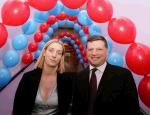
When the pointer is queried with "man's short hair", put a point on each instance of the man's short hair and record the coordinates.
(96, 38)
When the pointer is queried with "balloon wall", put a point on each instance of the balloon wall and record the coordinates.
(26, 25)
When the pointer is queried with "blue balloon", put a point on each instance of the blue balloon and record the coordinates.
(57, 9)
(115, 59)
(41, 16)
(5, 76)
(54, 26)
(79, 56)
(84, 40)
(84, 19)
(77, 27)
(37, 54)
(77, 51)
(71, 12)
(50, 31)
(29, 27)
(61, 22)
(81, 61)
(75, 46)
(69, 23)
(110, 45)
(81, 33)
(72, 42)
(45, 38)
(11, 58)
(95, 30)
(20, 42)
(41, 45)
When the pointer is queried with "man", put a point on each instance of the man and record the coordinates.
(101, 88)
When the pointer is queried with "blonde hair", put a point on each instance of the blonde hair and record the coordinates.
(40, 61)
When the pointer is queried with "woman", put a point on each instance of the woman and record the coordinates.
(46, 90)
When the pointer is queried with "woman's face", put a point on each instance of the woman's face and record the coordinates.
(53, 54)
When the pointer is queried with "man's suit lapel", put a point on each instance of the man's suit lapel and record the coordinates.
(107, 75)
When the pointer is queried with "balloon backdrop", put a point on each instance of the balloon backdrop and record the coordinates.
(3, 35)
(42, 5)
(27, 58)
(15, 12)
(137, 58)
(99, 10)
(122, 30)
(144, 90)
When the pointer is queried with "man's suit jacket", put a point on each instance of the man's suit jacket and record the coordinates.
(27, 90)
(116, 94)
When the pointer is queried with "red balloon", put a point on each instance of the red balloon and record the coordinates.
(38, 37)
(81, 47)
(3, 35)
(99, 10)
(43, 27)
(144, 90)
(15, 12)
(32, 47)
(72, 18)
(122, 30)
(86, 29)
(27, 58)
(42, 5)
(62, 35)
(62, 16)
(73, 37)
(68, 34)
(73, 4)
(137, 58)
(51, 19)
(77, 41)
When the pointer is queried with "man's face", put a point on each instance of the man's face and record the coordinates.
(96, 52)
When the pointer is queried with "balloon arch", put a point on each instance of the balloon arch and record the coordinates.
(53, 14)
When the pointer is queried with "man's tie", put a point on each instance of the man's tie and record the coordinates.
(92, 91)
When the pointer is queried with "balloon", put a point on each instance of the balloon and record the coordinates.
(50, 31)
(5, 77)
(110, 45)
(71, 12)
(37, 54)
(77, 27)
(29, 27)
(41, 45)
(86, 29)
(84, 40)
(95, 30)
(62, 16)
(42, 5)
(38, 37)
(61, 23)
(99, 10)
(43, 27)
(20, 42)
(51, 19)
(57, 9)
(115, 59)
(15, 12)
(73, 4)
(137, 58)
(3, 35)
(69, 23)
(32, 47)
(46, 38)
(83, 18)
(81, 33)
(144, 90)
(72, 18)
(54, 26)
(41, 17)
(27, 58)
(122, 30)
(11, 58)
